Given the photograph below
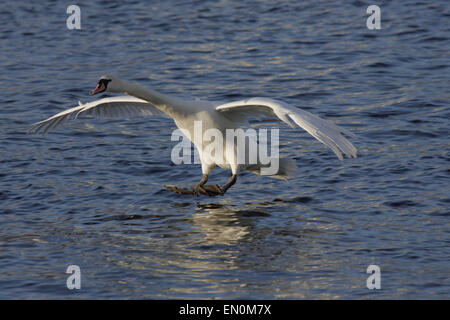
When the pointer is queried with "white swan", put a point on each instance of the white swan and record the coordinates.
(220, 116)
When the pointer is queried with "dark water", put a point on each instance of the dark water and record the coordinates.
(91, 193)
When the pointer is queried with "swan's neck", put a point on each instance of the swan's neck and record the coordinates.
(161, 101)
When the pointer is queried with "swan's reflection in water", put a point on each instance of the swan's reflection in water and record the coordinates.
(208, 239)
(216, 239)
(183, 252)
(220, 225)
(214, 250)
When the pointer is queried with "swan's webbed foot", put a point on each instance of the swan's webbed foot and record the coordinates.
(207, 190)
(178, 190)
(201, 188)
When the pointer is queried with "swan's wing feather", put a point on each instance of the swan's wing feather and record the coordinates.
(122, 106)
(324, 131)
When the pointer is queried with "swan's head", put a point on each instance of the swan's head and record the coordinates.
(106, 84)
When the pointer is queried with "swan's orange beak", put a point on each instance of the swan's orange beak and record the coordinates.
(99, 88)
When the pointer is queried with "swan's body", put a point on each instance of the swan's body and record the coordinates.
(213, 115)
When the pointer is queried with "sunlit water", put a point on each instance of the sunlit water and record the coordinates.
(91, 193)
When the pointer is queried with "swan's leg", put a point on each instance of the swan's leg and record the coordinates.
(230, 182)
(201, 188)
(198, 188)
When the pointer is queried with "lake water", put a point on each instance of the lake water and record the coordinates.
(91, 193)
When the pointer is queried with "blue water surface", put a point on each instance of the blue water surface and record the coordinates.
(91, 193)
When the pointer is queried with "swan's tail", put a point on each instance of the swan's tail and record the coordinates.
(286, 169)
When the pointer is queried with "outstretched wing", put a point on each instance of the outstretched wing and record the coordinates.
(324, 131)
(122, 106)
